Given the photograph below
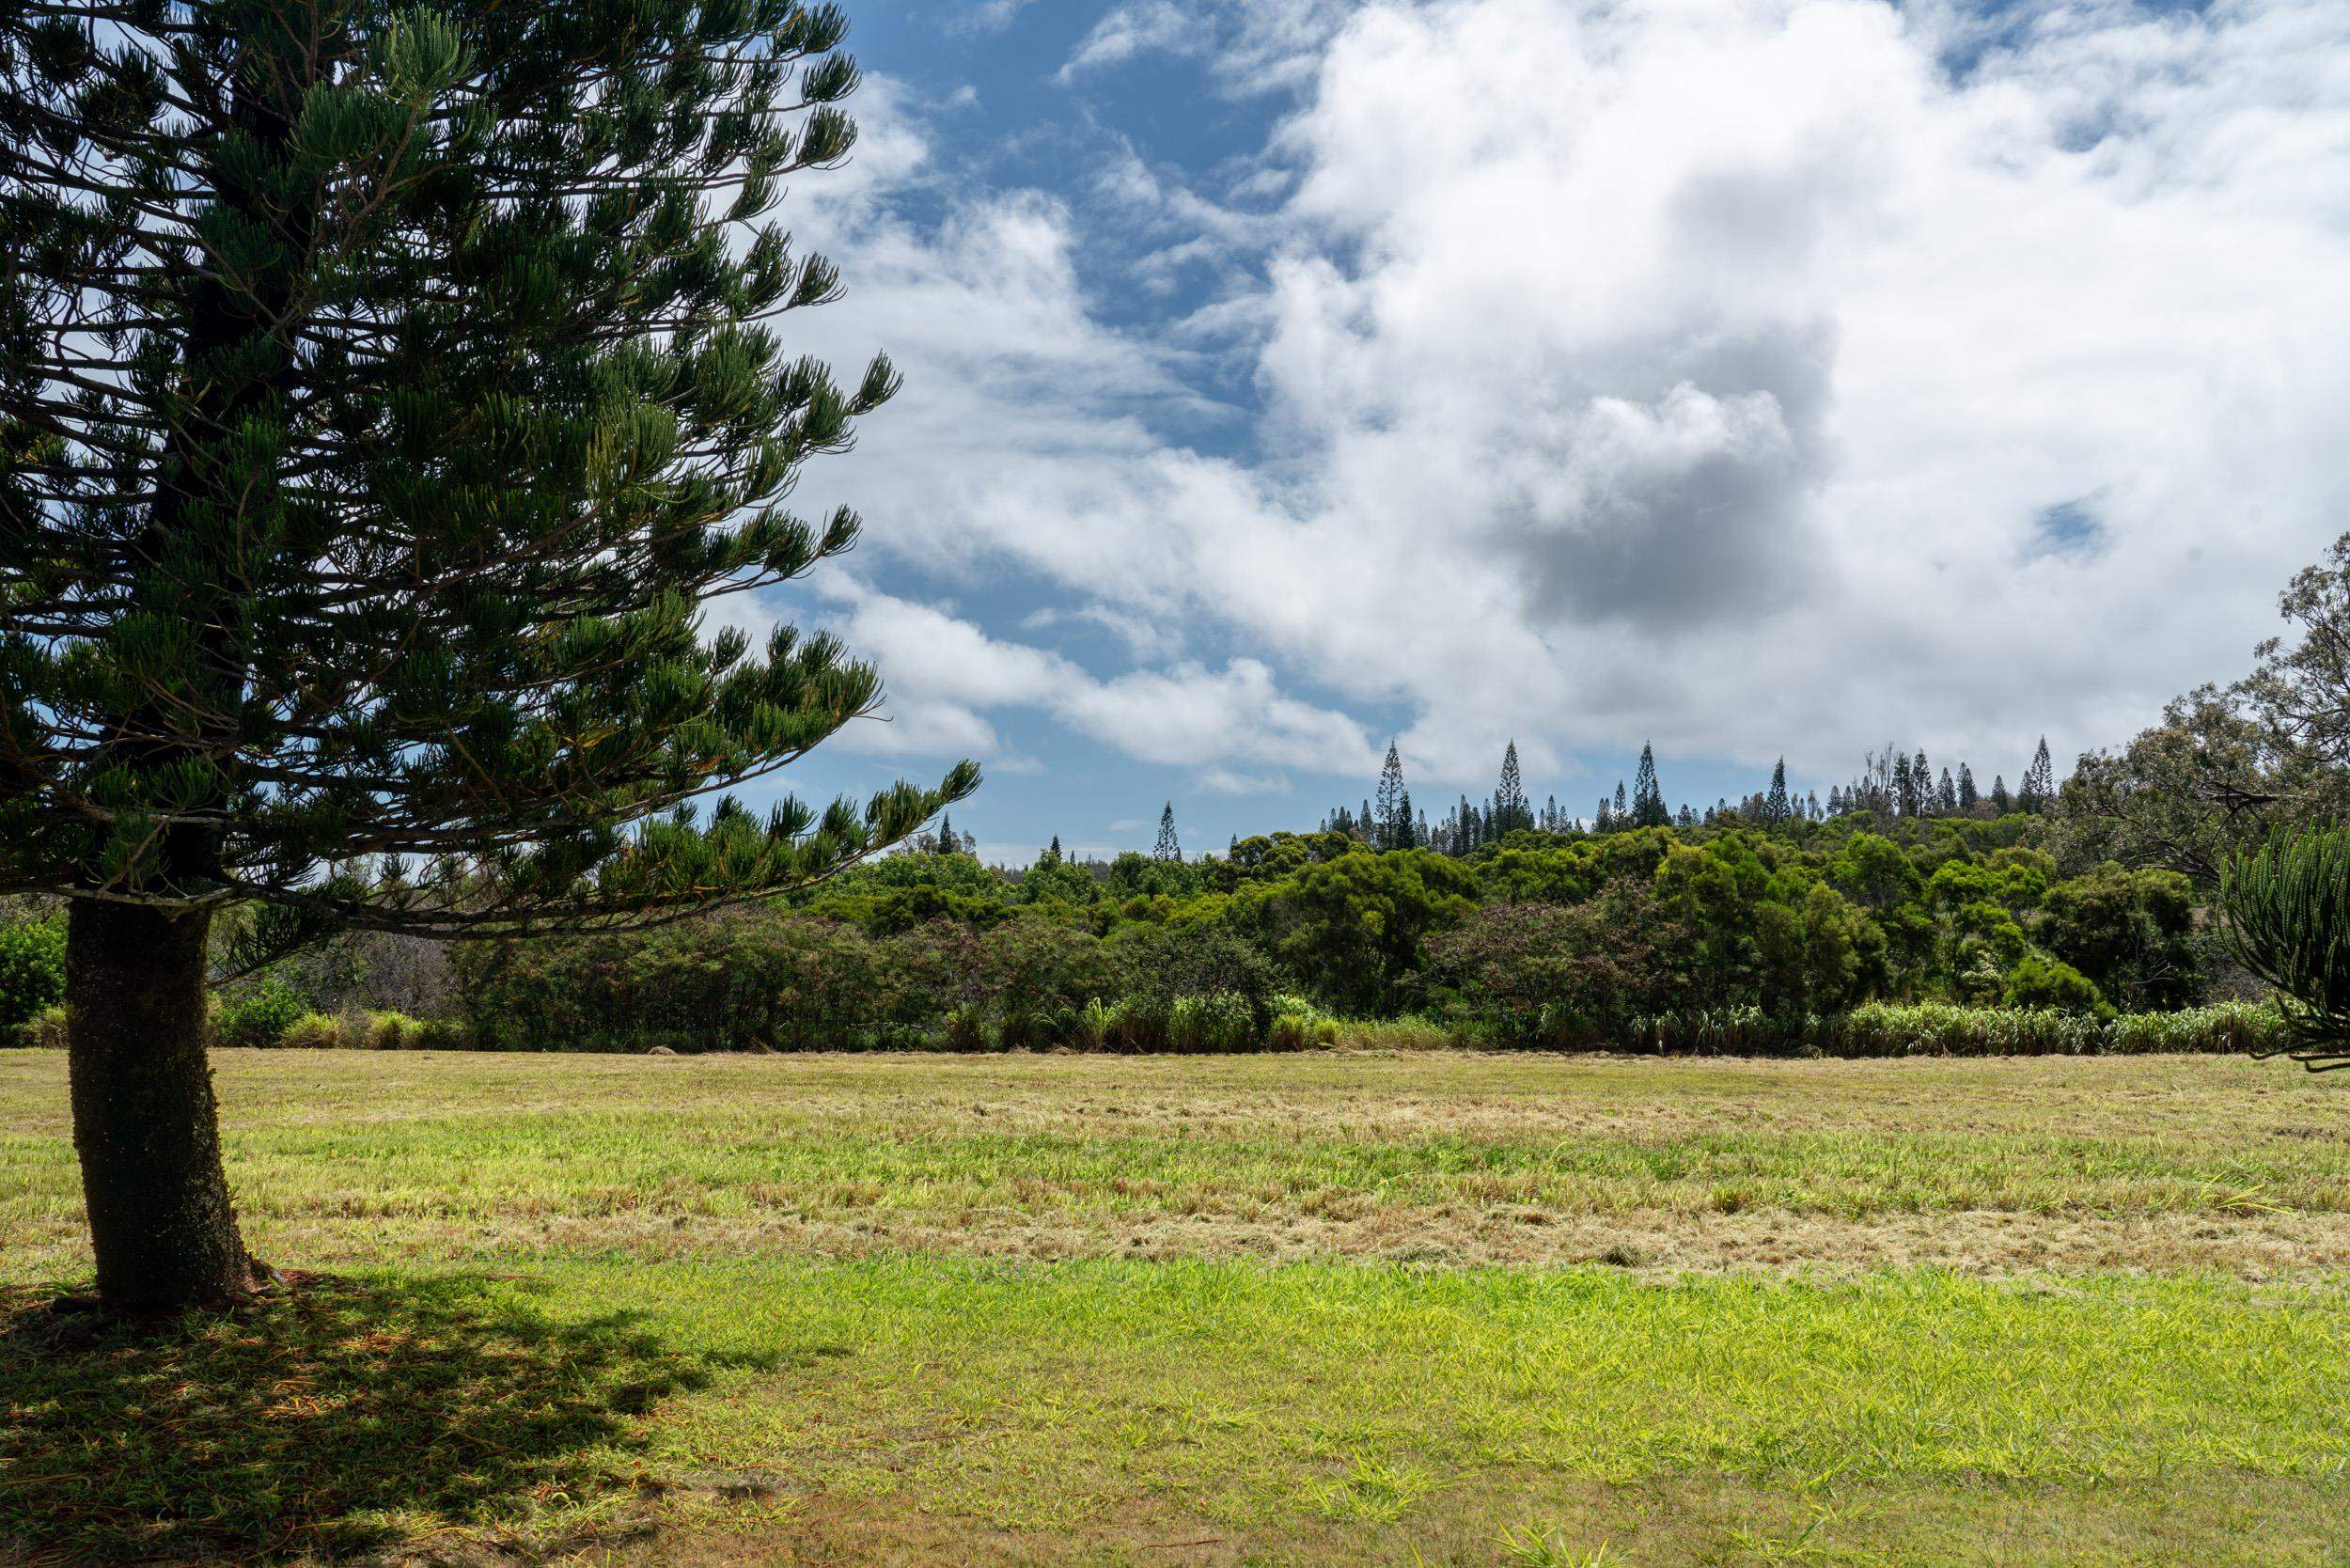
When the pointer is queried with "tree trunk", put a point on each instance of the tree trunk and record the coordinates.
(143, 1117)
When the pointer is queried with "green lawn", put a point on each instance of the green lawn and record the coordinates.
(1332, 1308)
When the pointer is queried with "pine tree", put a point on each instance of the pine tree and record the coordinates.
(382, 393)
(1405, 834)
(1648, 801)
(1966, 796)
(1051, 853)
(1166, 848)
(2039, 791)
(946, 842)
(2000, 804)
(1511, 810)
(1391, 825)
(1946, 794)
(1775, 807)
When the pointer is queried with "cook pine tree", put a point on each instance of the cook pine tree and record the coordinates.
(1511, 811)
(1647, 799)
(1168, 848)
(385, 395)
(1393, 825)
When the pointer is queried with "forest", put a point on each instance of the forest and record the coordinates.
(1907, 912)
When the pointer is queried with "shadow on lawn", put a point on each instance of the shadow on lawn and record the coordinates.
(295, 1427)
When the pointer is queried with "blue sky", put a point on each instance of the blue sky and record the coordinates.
(1754, 377)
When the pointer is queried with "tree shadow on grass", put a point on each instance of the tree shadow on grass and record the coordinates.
(346, 1416)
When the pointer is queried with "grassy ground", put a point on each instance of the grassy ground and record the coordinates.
(1333, 1309)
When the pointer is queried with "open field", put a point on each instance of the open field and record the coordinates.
(1328, 1309)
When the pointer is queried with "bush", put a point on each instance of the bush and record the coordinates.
(314, 1031)
(32, 969)
(257, 1013)
(45, 1030)
(2223, 1028)
(2050, 982)
(1940, 1029)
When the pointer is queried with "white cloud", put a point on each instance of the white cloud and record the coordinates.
(945, 676)
(1696, 372)
(985, 16)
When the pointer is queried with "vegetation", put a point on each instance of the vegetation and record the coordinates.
(382, 394)
(1332, 1308)
(2288, 907)
(1644, 940)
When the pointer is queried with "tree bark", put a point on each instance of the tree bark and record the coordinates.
(143, 1117)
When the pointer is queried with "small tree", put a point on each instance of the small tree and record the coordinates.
(2288, 912)
(384, 392)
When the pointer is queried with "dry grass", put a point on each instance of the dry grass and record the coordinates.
(2071, 1165)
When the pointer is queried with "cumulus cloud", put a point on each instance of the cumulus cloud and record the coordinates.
(1756, 376)
(947, 676)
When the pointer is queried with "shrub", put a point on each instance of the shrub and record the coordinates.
(314, 1031)
(2050, 982)
(32, 969)
(1940, 1029)
(2255, 1028)
(257, 1013)
(45, 1030)
(1298, 1025)
(1220, 1020)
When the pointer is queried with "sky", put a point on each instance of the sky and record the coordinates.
(1751, 378)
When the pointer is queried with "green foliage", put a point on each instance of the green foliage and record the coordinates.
(431, 379)
(32, 968)
(2288, 909)
(2038, 982)
(1351, 928)
(2130, 931)
(258, 1013)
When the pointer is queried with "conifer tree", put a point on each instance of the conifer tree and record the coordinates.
(1166, 848)
(1511, 810)
(1390, 830)
(1946, 794)
(1647, 800)
(382, 394)
(1968, 796)
(2038, 788)
(1405, 834)
(1774, 807)
(2000, 801)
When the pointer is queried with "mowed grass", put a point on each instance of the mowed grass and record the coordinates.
(1320, 1310)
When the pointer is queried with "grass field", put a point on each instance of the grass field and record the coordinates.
(1337, 1309)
